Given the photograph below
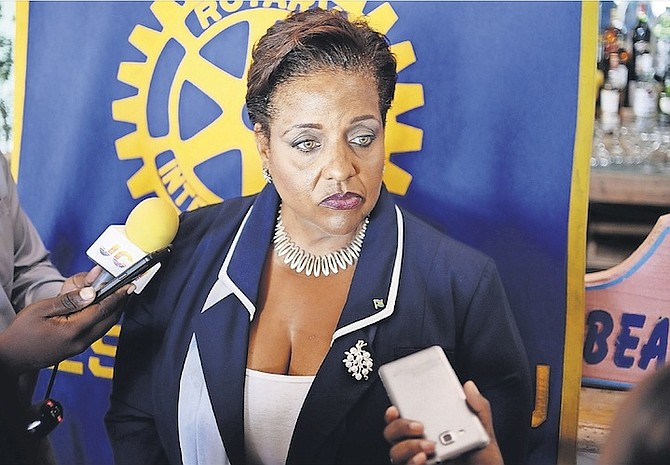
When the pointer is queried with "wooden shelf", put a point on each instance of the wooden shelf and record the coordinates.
(597, 409)
(615, 230)
(629, 187)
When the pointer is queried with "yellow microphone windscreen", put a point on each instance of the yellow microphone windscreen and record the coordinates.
(152, 224)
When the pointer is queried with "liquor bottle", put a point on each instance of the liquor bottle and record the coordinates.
(617, 73)
(666, 80)
(610, 102)
(615, 56)
(664, 99)
(614, 38)
(642, 68)
(661, 34)
(642, 87)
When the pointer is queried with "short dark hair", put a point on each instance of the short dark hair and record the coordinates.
(316, 40)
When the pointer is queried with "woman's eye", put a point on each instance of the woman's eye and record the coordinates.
(306, 145)
(363, 141)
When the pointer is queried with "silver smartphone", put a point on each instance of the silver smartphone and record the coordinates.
(424, 387)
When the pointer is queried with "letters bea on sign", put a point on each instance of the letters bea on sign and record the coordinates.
(626, 315)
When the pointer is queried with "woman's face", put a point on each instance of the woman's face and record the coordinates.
(326, 155)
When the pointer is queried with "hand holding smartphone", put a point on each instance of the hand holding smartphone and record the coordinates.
(132, 273)
(424, 387)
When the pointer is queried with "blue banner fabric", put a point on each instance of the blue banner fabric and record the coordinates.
(120, 101)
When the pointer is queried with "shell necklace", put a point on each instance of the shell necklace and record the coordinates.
(302, 261)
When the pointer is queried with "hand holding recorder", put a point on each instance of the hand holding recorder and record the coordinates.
(46, 332)
(51, 330)
(126, 256)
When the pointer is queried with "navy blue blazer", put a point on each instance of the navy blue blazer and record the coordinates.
(178, 388)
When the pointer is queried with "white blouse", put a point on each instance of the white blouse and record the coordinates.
(272, 403)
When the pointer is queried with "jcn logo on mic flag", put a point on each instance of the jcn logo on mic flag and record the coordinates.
(120, 101)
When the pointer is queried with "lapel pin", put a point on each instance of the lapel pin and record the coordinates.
(378, 303)
(358, 361)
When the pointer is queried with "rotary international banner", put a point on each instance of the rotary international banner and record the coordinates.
(488, 138)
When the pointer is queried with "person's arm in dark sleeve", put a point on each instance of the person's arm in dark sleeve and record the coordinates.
(130, 420)
(493, 356)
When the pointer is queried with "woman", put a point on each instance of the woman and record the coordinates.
(260, 340)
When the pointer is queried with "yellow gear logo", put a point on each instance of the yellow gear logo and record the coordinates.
(177, 154)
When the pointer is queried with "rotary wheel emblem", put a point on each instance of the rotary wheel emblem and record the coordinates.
(190, 126)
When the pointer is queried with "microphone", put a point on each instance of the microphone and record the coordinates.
(150, 226)
(129, 253)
